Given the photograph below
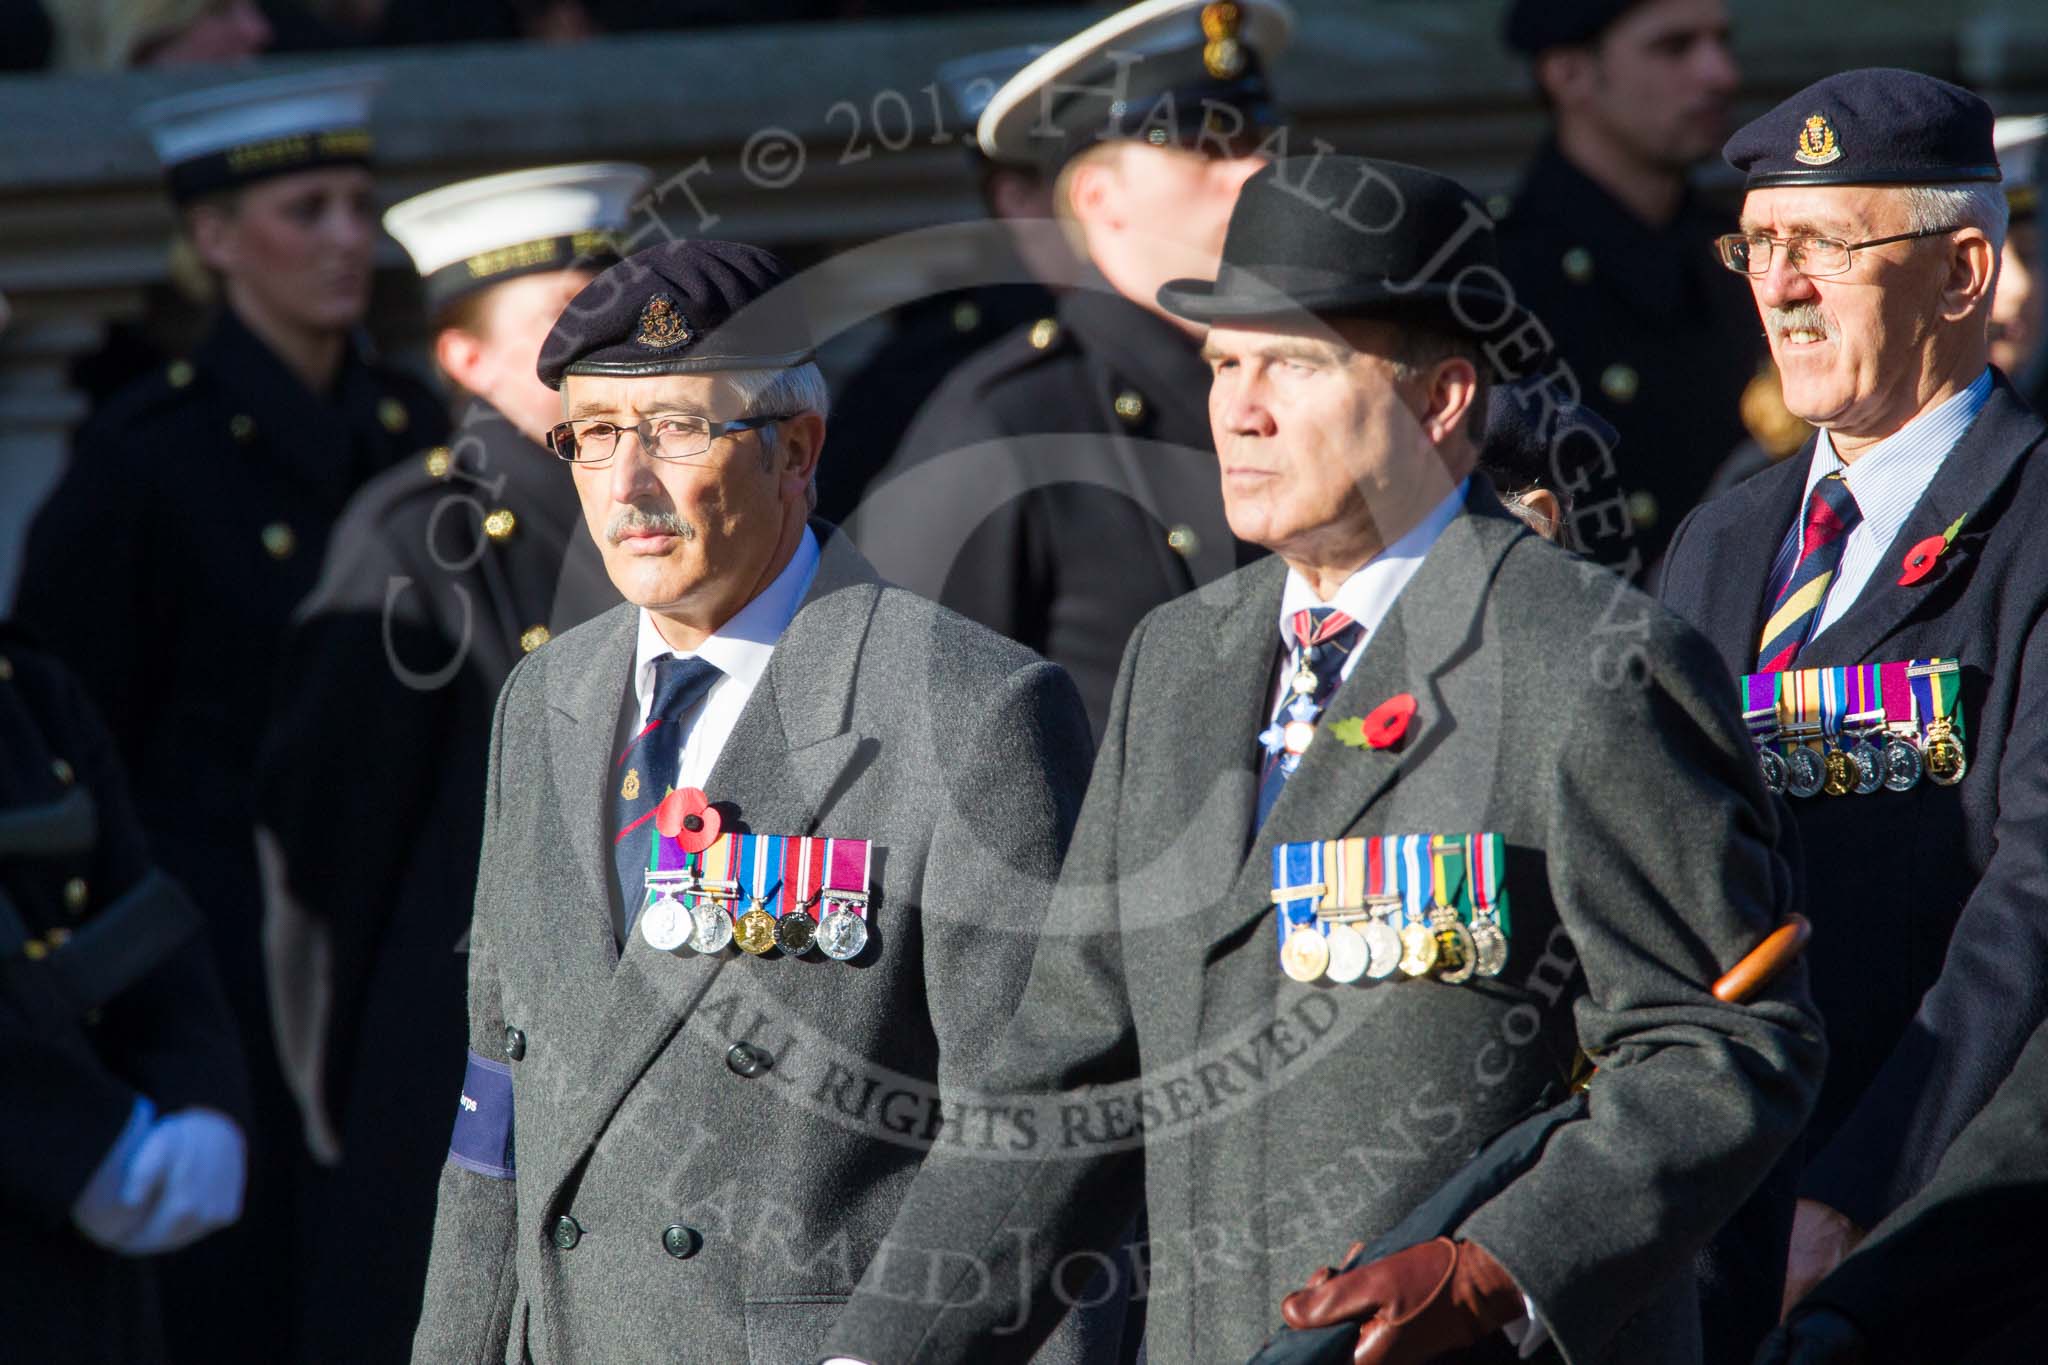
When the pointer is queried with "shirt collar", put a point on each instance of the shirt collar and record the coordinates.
(1369, 593)
(1907, 455)
(742, 646)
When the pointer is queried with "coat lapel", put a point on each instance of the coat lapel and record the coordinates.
(1435, 623)
(784, 768)
(583, 716)
(2003, 434)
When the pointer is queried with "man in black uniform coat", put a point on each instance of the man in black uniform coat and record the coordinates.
(191, 522)
(1965, 1242)
(1871, 228)
(1074, 455)
(124, 1084)
(1607, 243)
(443, 573)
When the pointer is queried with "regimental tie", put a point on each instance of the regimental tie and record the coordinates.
(1323, 639)
(646, 771)
(1831, 513)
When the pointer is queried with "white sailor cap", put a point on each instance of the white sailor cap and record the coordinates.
(481, 232)
(1186, 73)
(230, 135)
(2022, 143)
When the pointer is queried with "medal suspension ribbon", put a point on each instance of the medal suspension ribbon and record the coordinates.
(1937, 683)
(1485, 857)
(1298, 890)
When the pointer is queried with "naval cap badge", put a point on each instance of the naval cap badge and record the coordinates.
(663, 326)
(1818, 145)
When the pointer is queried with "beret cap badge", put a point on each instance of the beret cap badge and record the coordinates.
(1818, 145)
(663, 326)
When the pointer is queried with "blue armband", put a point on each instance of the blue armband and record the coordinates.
(483, 1123)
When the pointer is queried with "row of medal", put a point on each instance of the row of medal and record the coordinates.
(1857, 730)
(1413, 904)
(800, 894)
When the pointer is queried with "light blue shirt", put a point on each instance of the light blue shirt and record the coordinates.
(1887, 482)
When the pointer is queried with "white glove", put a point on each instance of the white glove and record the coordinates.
(165, 1183)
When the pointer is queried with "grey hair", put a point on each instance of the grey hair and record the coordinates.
(786, 392)
(1930, 208)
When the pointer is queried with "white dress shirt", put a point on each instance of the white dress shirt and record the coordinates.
(1887, 481)
(740, 648)
(1368, 595)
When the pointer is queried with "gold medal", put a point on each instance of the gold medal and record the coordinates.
(756, 931)
(1943, 752)
(1418, 949)
(1306, 953)
(1840, 773)
(1456, 959)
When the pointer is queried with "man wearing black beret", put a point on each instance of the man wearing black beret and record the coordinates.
(1413, 702)
(1607, 243)
(765, 849)
(1884, 597)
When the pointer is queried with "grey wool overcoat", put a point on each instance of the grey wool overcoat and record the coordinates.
(708, 1150)
(1556, 706)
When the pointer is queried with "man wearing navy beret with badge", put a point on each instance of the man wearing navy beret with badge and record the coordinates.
(1384, 828)
(1881, 596)
(765, 849)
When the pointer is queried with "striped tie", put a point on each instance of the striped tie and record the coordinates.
(1831, 513)
(647, 771)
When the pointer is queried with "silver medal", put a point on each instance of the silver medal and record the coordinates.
(665, 925)
(1490, 947)
(1348, 954)
(1902, 765)
(711, 927)
(1869, 761)
(1773, 766)
(842, 934)
(1805, 772)
(1383, 944)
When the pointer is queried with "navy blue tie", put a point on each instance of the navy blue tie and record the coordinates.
(646, 771)
(1323, 639)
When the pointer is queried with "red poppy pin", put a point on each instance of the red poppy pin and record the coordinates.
(688, 817)
(1380, 728)
(1921, 558)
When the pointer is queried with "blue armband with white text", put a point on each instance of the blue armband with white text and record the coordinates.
(483, 1123)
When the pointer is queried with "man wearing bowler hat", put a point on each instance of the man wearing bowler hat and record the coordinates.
(765, 848)
(1278, 960)
(1882, 596)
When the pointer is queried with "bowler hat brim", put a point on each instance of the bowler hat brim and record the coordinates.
(1240, 297)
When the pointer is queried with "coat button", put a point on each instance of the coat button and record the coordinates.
(533, 637)
(242, 427)
(1130, 406)
(76, 894)
(568, 1232)
(747, 1060)
(63, 772)
(515, 1044)
(279, 540)
(500, 524)
(681, 1242)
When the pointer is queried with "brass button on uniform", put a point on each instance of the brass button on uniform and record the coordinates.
(1642, 509)
(1578, 265)
(35, 950)
(515, 1044)
(966, 315)
(500, 524)
(438, 463)
(747, 1061)
(393, 415)
(279, 540)
(1130, 405)
(533, 637)
(179, 373)
(1183, 540)
(568, 1232)
(1044, 332)
(242, 427)
(1620, 382)
(76, 894)
(63, 772)
(59, 937)
(681, 1242)
(1498, 206)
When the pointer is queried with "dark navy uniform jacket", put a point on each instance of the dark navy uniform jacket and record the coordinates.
(442, 574)
(1660, 337)
(1074, 486)
(189, 524)
(1930, 907)
(70, 1083)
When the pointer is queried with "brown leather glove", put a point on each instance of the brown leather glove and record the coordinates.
(1413, 1306)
